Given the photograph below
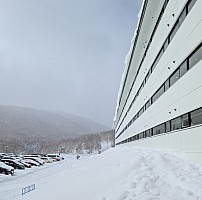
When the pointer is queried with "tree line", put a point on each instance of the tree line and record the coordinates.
(88, 143)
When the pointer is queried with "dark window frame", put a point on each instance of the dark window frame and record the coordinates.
(183, 68)
(175, 76)
(166, 85)
(157, 94)
(194, 115)
(186, 121)
(176, 123)
(174, 30)
(192, 61)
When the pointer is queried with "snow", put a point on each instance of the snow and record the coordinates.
(120, 173)
(3, 165)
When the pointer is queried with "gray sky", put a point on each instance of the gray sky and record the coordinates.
(65, 55)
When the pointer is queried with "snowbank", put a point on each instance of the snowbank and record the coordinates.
(121, 173)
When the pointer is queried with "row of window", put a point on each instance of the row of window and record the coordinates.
(176, 26)
(186, 65)
(187, 120)
(184, 13)
(148, 45)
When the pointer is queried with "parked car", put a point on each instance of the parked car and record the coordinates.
(2, 155)
(47, 159)
(32, 155)
(25, 163)
(55, 157)
(32, 162)
(6, 169)
(12, 158)
(13, 163)
(36, 159)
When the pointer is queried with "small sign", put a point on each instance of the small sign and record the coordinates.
(28, 189)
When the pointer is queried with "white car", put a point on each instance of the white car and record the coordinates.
(47, 159)
(55, 157)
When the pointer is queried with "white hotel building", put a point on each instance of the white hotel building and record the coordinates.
(160, 99)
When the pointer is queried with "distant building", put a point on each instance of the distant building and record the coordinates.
(160, 99)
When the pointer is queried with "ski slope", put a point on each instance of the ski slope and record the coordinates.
(121, 173)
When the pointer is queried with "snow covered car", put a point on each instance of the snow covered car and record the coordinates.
(36, 159)
(6, 169)
(55, 157)
(25, 163)
(32, 162)
(47, 159)
(13, 163)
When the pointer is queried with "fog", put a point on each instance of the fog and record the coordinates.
(65, 55)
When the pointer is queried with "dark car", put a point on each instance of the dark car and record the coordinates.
(6, 169)
(36, 159)
(22, 161)
(13, 163)
(32, 162)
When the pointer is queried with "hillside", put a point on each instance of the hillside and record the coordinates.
(27, 123)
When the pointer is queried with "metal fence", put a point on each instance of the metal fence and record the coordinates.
(28, 189)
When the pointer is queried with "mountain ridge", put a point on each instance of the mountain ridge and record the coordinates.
(26, 122)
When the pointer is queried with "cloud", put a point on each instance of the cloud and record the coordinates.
(65, 54)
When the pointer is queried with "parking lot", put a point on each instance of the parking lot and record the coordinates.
(10, 162)
(12, 185)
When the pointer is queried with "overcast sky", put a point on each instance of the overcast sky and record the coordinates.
(65, 55)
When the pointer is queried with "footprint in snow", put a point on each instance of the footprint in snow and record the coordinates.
(133, 185)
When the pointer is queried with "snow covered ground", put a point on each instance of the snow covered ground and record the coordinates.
(121, 173)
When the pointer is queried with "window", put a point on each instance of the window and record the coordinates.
(174, 77)
(182, 16)
(141, 111)
(190, 4)
(168, 128)
(147, 76)
(183, 68)
(195, 57)
(185, 121)
(148, 133)
(137, 137)
(165, 45)
(147, 104)
(159, 129)
(157, 59)
(158, 94)
(174, 30)
(176, 124)
(140, 135)
(134, 99)
(196, 117)
(141, 87)
(165, 4)
(167, 85)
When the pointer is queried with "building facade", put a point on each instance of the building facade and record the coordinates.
(160, 99)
